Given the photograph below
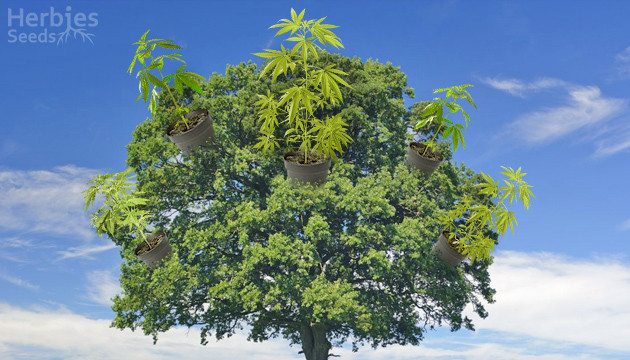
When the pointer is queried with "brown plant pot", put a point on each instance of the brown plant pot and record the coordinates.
(202, 134)
(443, 250)
(315, 174)
(158, 253)
(425, 165)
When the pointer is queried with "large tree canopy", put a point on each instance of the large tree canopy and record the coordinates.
(347, 261)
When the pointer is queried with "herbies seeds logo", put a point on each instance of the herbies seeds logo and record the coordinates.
(44, 27)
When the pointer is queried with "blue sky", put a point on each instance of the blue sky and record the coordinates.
(552, 81)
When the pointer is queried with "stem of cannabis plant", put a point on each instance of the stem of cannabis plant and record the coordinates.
(424, 153)
(306, 148)
(144, 238)
(177, 107)
(141, 227)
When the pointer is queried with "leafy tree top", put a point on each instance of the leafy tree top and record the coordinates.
(349, 261)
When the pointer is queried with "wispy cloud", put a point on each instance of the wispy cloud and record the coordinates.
(585, 106)
(606, 148)
(520, 88)
(623, 63)
(17, 249)
(18, 282)
(43, 201)
(84, 251)
(102, 286)
(623, 56)
(614, 140)
(625, 225)
(269, 43)
(15, 242)
(14, 258)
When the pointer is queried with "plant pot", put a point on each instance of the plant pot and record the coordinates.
(159, 252)
(443, 250)
(425, 165)
(201, 134)
(315, 174)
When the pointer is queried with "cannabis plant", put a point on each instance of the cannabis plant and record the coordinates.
(312, 87)
(148, 62)
(434, 112)
(121, 208)
(470, 223)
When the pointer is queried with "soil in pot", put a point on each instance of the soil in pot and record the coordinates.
(199, 132)
(153, 241)
(194, 120)
(160, 249)
(431, 155)
(298, 158)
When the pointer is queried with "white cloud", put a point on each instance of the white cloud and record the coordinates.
(469, 350)
(585, 107)
(548, 307)
(550, 297)
(37, 333)
(18, 282)
(102, 286)
(512, 86)
(47, 202)
(625, 225)
(84, 251)
(519, 88)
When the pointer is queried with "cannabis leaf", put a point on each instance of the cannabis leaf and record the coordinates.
(317, 88)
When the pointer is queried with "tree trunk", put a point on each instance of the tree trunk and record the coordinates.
(314, 342)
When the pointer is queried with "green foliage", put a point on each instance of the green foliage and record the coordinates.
(350, 258)
(318, 88)
(121, 206)
(472, 235)
(144, 55)
(434, 113)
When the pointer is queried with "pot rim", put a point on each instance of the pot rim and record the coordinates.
(298, 164)
(187, 116)
(135, 252)
(422, 144)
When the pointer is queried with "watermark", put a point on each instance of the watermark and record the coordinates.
(43, 27)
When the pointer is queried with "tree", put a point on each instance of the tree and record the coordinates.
(348, 261)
